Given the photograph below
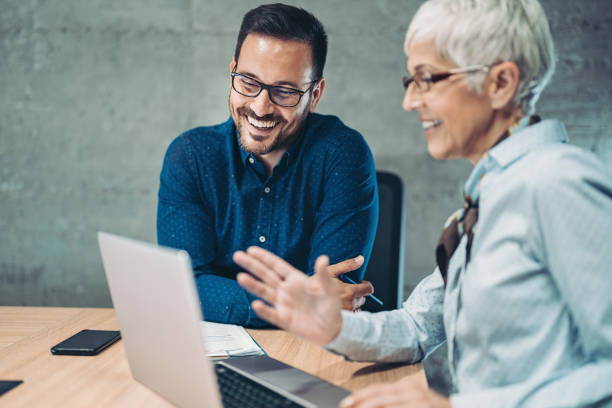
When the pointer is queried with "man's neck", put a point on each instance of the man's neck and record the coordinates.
(270, 160)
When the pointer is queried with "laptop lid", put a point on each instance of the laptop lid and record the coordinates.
(158, 310)
(157, 307)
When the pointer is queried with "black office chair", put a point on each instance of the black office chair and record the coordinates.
(386, 267)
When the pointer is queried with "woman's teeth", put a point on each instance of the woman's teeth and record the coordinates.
(429, 124)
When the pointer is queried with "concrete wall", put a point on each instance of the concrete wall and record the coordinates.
(93, 91)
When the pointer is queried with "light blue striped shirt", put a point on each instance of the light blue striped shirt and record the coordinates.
(529, 320)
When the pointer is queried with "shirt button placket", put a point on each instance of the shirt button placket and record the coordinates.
(265, 221)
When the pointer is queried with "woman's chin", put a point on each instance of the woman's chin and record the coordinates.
(436, 153)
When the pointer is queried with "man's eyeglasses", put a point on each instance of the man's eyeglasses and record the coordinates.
(280, 95)
(424, 80)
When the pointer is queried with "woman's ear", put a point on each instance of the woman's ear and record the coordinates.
(504, 80)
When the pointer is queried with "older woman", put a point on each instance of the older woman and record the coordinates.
(522, 289)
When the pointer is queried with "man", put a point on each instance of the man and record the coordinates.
(275, 175)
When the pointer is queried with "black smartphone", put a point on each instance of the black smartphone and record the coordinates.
(7, 385)
(86, 342)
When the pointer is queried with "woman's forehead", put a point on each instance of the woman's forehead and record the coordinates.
(425, 55)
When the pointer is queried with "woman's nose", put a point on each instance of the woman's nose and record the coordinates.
(412, 100)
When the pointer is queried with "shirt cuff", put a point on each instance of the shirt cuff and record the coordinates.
(349, 336)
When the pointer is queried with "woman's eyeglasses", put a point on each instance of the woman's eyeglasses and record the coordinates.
(424, 80)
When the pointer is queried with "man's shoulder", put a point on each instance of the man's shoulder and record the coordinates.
(208, 145)
(208, 135)
(330, 126)
(328, 131)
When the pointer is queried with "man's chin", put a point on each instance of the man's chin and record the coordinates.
(257, 145)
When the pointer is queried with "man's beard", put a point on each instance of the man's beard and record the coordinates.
(281, 139)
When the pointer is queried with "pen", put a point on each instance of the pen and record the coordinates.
(349, 280)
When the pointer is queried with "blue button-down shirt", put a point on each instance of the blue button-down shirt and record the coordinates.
(528, 321)
(215, 199)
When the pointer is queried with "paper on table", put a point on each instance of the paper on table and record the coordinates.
(223, 340)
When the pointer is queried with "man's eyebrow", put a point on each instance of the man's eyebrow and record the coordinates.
(287, 84)
(277, 83)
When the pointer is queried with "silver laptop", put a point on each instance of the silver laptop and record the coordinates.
(159, 314)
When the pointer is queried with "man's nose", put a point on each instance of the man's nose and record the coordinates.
(261, 104)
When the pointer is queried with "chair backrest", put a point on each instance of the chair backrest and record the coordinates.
(386, 267)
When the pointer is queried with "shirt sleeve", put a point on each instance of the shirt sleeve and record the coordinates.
(574, 217)
(184, 222)
(346, 219)
(581, 388)
(408, 334)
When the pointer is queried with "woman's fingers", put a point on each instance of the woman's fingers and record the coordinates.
(257, 268)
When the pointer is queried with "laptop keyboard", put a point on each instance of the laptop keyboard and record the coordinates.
(238, 391)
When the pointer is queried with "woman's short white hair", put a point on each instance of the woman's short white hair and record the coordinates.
(473, 32)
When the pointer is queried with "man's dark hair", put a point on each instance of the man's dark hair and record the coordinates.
(286, 23)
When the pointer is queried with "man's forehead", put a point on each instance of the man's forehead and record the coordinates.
(274, 60)
(267, 44)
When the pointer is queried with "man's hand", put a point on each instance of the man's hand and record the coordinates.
(351, 295)
(308, 307)
(402, 393)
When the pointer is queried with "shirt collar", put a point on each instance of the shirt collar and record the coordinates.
(526, 139)
(244, 155)
(293, 151)
(522, 140)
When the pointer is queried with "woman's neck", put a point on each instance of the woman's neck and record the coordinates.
(498, 131)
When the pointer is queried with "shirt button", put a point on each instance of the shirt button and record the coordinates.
(262, 239)
(251, 160)
(266, 189)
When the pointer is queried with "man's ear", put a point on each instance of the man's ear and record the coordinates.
(317, 92)
(504, 80)
(233, 64)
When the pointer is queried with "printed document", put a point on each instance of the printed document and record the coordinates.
(228, 340)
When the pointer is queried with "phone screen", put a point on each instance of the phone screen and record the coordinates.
(86, 342)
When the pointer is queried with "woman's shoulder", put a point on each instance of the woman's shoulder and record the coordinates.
(561, 171)
(560, 162)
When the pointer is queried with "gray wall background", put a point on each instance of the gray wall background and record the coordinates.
(93, 91)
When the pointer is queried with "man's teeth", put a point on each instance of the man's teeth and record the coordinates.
(430, 123)
(261, 123)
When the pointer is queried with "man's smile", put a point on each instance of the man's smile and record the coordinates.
(262, 124)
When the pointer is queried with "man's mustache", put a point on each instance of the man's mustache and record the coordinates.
(248, 112)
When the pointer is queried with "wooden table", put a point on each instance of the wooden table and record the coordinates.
(27, 334)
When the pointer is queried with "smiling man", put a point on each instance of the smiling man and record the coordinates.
(275, 174)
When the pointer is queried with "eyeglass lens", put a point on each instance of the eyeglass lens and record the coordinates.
(421, 83)
(279, 95)
(423, 80)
